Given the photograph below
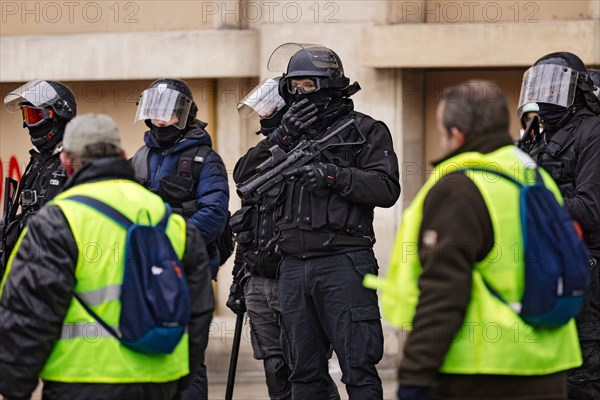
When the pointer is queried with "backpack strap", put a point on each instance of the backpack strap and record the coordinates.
(115, 215)
(190, 165)
(191, 162)
(516, 307)
(538, 177)
(125, 222)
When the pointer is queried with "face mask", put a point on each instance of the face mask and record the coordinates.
(39, 136)
(166, 136)
(321, 99)
(554, 117)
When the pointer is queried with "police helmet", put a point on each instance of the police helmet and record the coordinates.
(167, 99)
(556, 78)
(41, 102)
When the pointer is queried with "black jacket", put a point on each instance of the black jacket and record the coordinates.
(332, 221)
(42, 179)
(38, 291)
(574, 163)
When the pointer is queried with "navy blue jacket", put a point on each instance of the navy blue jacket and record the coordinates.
(212, 192)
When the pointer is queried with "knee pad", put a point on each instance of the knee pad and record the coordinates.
(277, 374)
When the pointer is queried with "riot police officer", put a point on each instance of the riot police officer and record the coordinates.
(46, 107)
(569, 149)
(178, 162)
(255, 286)
(324, 226)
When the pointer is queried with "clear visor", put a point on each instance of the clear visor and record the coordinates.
(320, 56)
(553, 84)
(164, 104)
(263, 100)
(38, 93)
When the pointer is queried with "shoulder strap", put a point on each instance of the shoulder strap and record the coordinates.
(191, 162)
(115, 215)
(538, 177)
(141, 165)
(125, 222)
(562, 139)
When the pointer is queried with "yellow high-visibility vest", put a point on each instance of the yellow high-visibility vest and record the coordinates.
(493, 338)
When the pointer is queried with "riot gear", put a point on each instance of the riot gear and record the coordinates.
(168, 100)
(264, 100)
(568, 149)
(561, 85)
(46, 107)
(313, 72)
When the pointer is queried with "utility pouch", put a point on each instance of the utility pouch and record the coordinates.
(176, 188)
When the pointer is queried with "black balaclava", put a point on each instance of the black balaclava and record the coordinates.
(555, 117)
(166, 136)
(47, 135)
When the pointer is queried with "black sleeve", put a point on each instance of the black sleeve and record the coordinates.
(34, 300)
(376, 179)
(584, 203)
(455, 233)
(245, 168)
(195, 263)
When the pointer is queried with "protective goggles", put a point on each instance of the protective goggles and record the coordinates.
(303, 85)
(33, 116)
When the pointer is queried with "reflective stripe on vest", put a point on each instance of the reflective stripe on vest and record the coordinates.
(86, 352)
(98, 296)
(86, 330)
(493, 338)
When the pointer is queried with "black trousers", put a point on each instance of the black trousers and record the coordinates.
(323, 303)
(584, 382)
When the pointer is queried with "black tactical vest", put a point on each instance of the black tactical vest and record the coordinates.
(334, 222)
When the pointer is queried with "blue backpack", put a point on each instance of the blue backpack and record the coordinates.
(155, 301)
(556, 259)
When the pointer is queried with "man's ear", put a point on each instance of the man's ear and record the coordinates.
(64, 159)
(458, 136)
(67, 163)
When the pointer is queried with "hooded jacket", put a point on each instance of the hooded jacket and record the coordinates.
(212, 192)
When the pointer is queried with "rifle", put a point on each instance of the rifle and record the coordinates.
(271, 172)
(10, 186)
(235, 351)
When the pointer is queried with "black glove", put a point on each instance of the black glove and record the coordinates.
(314, 176)
(236, 301)
(295, 122)
(414, 393)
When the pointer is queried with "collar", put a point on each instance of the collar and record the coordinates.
(100, 170)
(484, 145)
